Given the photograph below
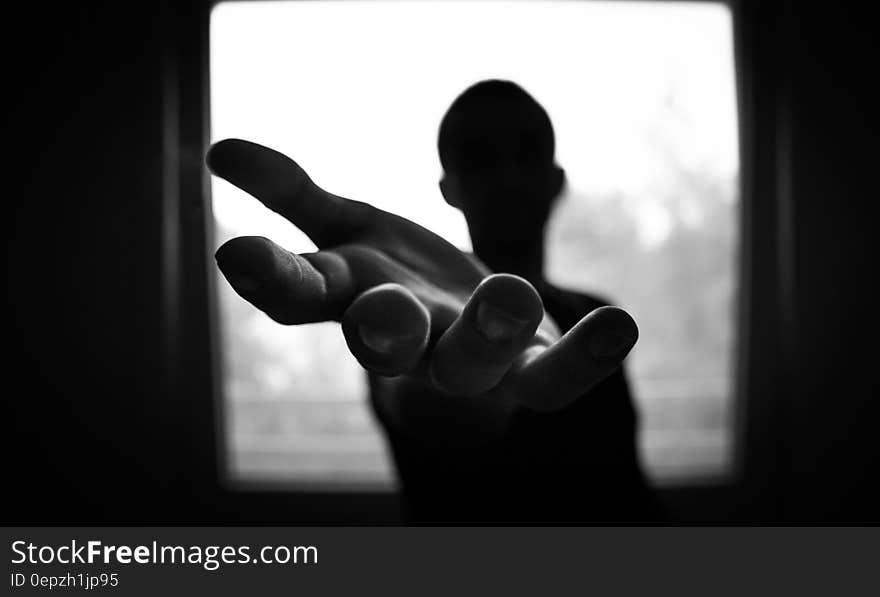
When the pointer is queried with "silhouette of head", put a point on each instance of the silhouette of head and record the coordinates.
(496, 146)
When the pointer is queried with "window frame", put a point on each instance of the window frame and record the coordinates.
(749, 493)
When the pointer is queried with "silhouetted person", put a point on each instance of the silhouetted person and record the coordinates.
(502, 396)
(496, 146)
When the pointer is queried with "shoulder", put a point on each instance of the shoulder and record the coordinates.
(567, 306)
(583, 300)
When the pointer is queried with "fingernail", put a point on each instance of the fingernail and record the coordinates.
(243, 282)
(238, 270)
(609, 343)
(495, 324)
(382, 341)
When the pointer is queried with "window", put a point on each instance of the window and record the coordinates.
(643, 100)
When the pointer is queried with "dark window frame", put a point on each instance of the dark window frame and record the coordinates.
(191, 328)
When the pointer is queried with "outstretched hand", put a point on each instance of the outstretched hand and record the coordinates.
(410, 303)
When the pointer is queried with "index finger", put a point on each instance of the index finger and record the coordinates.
(284, 187)
(289, 288)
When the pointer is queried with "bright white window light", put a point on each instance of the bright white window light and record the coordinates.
(642, 97)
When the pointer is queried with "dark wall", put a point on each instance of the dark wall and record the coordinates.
(832, 401)
(108, 423)
(91, 432)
